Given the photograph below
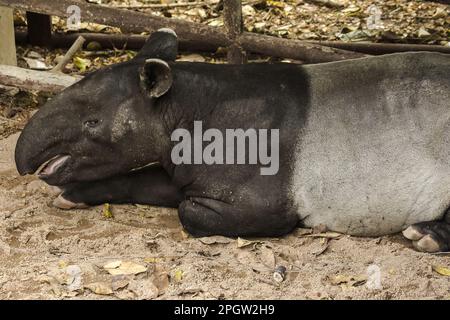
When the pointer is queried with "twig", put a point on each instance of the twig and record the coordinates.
(77, 45)
(166, 5)
(328, 3)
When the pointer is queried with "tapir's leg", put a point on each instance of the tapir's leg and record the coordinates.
(151, 185)
(205, 217)
(432, 236)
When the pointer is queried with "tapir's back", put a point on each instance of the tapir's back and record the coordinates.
(374, 154)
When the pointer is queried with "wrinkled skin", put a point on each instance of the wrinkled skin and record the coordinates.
(364, 156)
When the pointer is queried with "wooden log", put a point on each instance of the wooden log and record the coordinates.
(167, 5)
(382, 48)
(135, 42)
(288, 48)
(110, 41)
(136, 22)
(35, 80)
(232, 18)
(7, 43)
(39, 29)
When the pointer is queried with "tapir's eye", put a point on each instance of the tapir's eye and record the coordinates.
(91, 123)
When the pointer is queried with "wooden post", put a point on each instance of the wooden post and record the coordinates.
(39, 29)
(7, 42)
(233, 23)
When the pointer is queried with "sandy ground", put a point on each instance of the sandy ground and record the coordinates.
(47, 253)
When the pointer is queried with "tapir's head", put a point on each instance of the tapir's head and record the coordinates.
(105, 124)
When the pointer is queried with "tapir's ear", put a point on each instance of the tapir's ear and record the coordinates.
(162, 44)
(156, 77)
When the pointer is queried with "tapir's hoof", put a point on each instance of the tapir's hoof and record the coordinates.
(65, 204)
(429, 236)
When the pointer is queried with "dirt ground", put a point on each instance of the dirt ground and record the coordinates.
(48, 253)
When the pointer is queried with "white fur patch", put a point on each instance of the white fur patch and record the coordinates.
(155, 60)
(124, 120)
(168, 30)
(371, 169)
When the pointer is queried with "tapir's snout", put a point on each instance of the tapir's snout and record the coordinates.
(23, 156)
(40, 143)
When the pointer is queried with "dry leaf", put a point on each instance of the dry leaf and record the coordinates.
(102, 288)
(194, 57)
(442, 270)
(277, 4)
(268, 257)
(302, 232)
(248, 10)
(119, 282)
(81, 63)
(178, 275)
(153, 260)
(113, 264)
(423, 33)
(215, 240)
(144, 289)
(124, 268)
(107, 211)
(161, 281)
(53, 282)
(323, 247)
(241, 243)
(351, 9)
(348, 280)
(329, 235)
(73, 280)
(36, 64)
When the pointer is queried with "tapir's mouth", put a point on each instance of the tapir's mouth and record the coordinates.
(51, 166)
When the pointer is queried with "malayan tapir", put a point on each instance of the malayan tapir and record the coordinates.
(364, 144)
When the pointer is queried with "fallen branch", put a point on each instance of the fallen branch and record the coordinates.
(137, 22)
(166, 5)
(135, 42)
(288, 48)
(382, 48)
(179, 4)
(77, 45)
(111, 41)
(35, 80)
